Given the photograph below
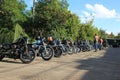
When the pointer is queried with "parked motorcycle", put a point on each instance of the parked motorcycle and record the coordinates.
(17, 50)
(56, 48)
(76, 47)
(66, 49)
(42, 49)
(85, 46)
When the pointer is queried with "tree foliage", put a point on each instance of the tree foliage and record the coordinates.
(87, 30)
(6, 35)
(19, 32)
(11, 12)
(46, 18)
(52, 18)
(118, 36)
(102, 33)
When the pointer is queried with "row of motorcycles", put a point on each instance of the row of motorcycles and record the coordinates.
(41, 48)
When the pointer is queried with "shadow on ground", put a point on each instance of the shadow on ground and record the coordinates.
(8, 61)
(104, 68)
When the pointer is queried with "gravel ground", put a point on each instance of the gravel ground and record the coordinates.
(101, 65)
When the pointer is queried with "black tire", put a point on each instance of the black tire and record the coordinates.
(1, 57)
(64, 52)
(80, 48)
(70, 50)
(57, 52)
(84, 49)
(75, 50)
(47, 55)
(88, 48)
(28, 57)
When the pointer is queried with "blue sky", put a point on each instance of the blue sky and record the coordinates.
(106, 13)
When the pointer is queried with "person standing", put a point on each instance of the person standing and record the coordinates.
(100, 43)
(96, 39)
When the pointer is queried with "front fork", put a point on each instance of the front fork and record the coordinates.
(45, 45)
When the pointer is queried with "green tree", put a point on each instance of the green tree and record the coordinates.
(6, 35)
(11, 12)
(102, 33)
(118, 36)
(111, 35)
(9, 36)
(87, 30)
(54, 18)
(19, 32)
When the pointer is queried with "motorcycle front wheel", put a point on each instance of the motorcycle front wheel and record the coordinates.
(47, 53)
(57, 51)
(28, 57)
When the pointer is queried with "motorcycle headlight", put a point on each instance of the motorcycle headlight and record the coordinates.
(34, 46)
(0, 46)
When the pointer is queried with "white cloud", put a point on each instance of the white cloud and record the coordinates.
(90, 7)
(86, 13)
(100, 11)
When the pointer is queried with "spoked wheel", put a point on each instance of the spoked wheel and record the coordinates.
(70, 50)
(57, 52)
(88, 48)
(83, 49)
(75, 50)
(1, 57)
(28, 57)
(47, 53)
(64, 51)
(79, 49)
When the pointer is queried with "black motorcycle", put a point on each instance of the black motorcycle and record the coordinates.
(66, 49)
(17, 50)
(85, 47)
(56, 47)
